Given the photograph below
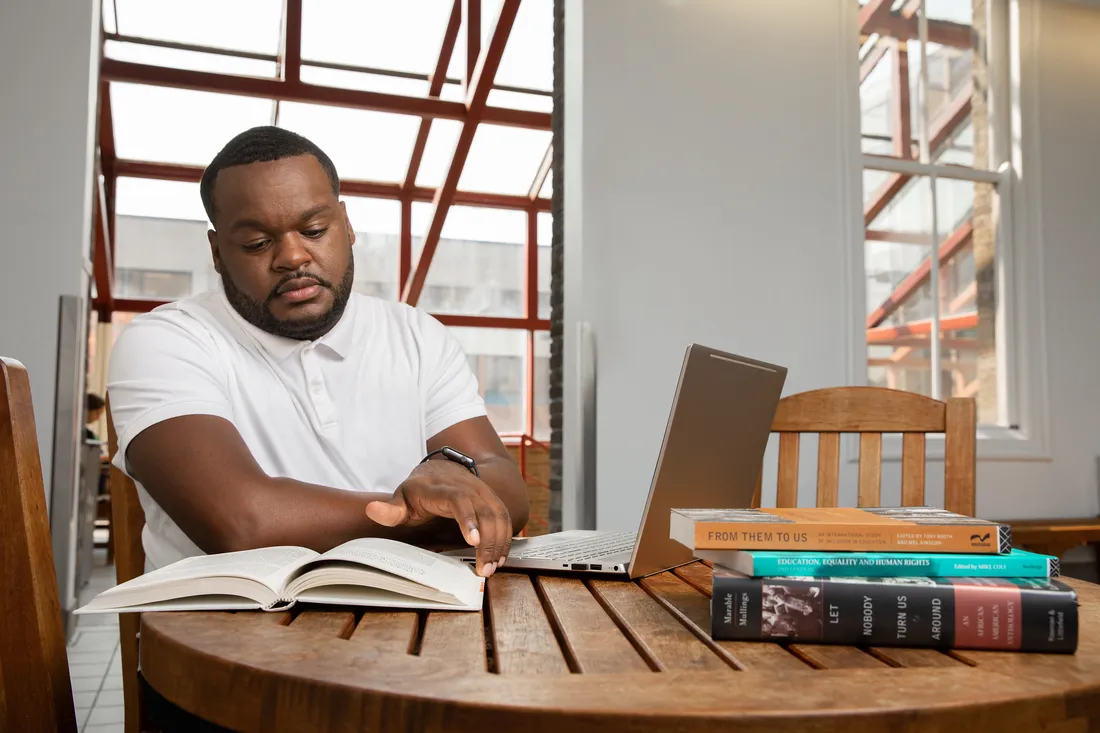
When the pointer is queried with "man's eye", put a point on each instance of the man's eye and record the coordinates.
(255, 246)
(315, 233)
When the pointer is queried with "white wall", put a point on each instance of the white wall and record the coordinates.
(49, 53)
(709, 197)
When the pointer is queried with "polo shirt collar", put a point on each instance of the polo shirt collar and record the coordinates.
(338, 339)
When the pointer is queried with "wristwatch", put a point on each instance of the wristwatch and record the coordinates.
(457, 456)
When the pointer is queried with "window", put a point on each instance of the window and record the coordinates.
(152, 284)
(932, 126)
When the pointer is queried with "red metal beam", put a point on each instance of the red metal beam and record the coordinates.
(900, 110)
(884, 334)
(531, 311)
(486, 69)
(941, 133)
(404, 250)
(289, 91)
(371, 189)
(136, 305)
(943, 32)
(543, 172)
(886, 235)
(873, 10)
(958, 239)
(471, 14)
(107, 160)
(292, 41)
(102, 265)
(868, 64)
(435, 88)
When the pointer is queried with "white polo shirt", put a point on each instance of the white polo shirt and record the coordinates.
(352, 410)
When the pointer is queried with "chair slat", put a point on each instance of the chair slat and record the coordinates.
(858, 410)
(870, 469)
(786, 493)
(912, 469)
(958, 459)
(828, 469)
(758, 491)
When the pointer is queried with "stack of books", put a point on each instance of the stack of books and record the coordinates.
(909, 577)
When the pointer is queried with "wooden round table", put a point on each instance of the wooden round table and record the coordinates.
(597, 655)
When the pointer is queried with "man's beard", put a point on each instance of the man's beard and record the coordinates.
(260, 315)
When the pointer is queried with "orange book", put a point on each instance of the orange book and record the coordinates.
(881, 529)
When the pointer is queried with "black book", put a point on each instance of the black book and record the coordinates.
(1004, 614)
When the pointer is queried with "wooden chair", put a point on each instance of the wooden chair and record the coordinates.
(35, 689)
(870, 412)
(128, 519)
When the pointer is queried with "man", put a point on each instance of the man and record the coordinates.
(286, 409)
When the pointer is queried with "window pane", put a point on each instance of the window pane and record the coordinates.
(109, 16)
(380, 34)
(528, 59)
(179, 125)
(242, 25)
(149, 198)
(477, 269)
(504, 159)
(969, 297)
(438, 152)
(542, 386)
(518, 100)
(377, 226)
(177, 249)
(545, 239)
(343, 79)
(193, 60)
(366, 145)
(152, 284)
(496, 357)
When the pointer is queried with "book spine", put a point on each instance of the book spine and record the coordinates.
(957, 614)
(899, 565)
(871, 537)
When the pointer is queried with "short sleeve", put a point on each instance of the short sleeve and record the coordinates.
(162, 366)
(449, 388)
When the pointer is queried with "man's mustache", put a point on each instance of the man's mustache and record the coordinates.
(297, 276)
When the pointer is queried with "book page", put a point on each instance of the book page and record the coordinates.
(407, 561)
(267, 565)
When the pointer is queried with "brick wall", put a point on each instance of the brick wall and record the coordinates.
(557, 254)
(538, 475)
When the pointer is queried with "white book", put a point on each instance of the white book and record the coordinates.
(363, 572)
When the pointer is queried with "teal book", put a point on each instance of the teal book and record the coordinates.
(765, 563)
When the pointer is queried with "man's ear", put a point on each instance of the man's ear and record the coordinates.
(347, 223)
(212, 237)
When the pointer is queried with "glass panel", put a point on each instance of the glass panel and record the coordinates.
(380, 34)
(545, 223)
(968, 297)
(517, 100)
(548, 185)
(242, 25)
(193, 60)
(542, 386)
(896, 252)
(497, 358)
(176, 249)
(143, 197)
(528, 59)
(377, 225)
(504, 159)
(478, 266)
(151, 284)
(365, 145)
(438, 152)
(109, 16)
(179, 125)
(343, 79)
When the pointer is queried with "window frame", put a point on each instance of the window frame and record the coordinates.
(1020, 328)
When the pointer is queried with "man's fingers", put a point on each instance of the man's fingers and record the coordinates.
(463, 512)
(388, 513)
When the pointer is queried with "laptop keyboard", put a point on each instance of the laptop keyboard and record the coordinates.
(586, 548)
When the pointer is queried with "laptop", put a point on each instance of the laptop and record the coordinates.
(710, 458)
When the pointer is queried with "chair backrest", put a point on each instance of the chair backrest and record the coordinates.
(35, 689)
(127, 521)
(870, 412)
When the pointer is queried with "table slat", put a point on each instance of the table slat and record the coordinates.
(692, 608)
(833, 656)
(277, 618)
(457, 637)
(667, 644)
(907, 657)
(523, 640)
(332, 623)
(387, 632)
(592, 641)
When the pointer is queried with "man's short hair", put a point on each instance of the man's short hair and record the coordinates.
(261, 145)
(92, 402)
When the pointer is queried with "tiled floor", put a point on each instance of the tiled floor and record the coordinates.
(94, 664)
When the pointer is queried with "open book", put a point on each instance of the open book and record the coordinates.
(362, 572)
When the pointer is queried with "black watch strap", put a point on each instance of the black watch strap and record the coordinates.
(457, 456)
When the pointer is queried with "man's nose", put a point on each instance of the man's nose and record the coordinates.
(291, 253)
